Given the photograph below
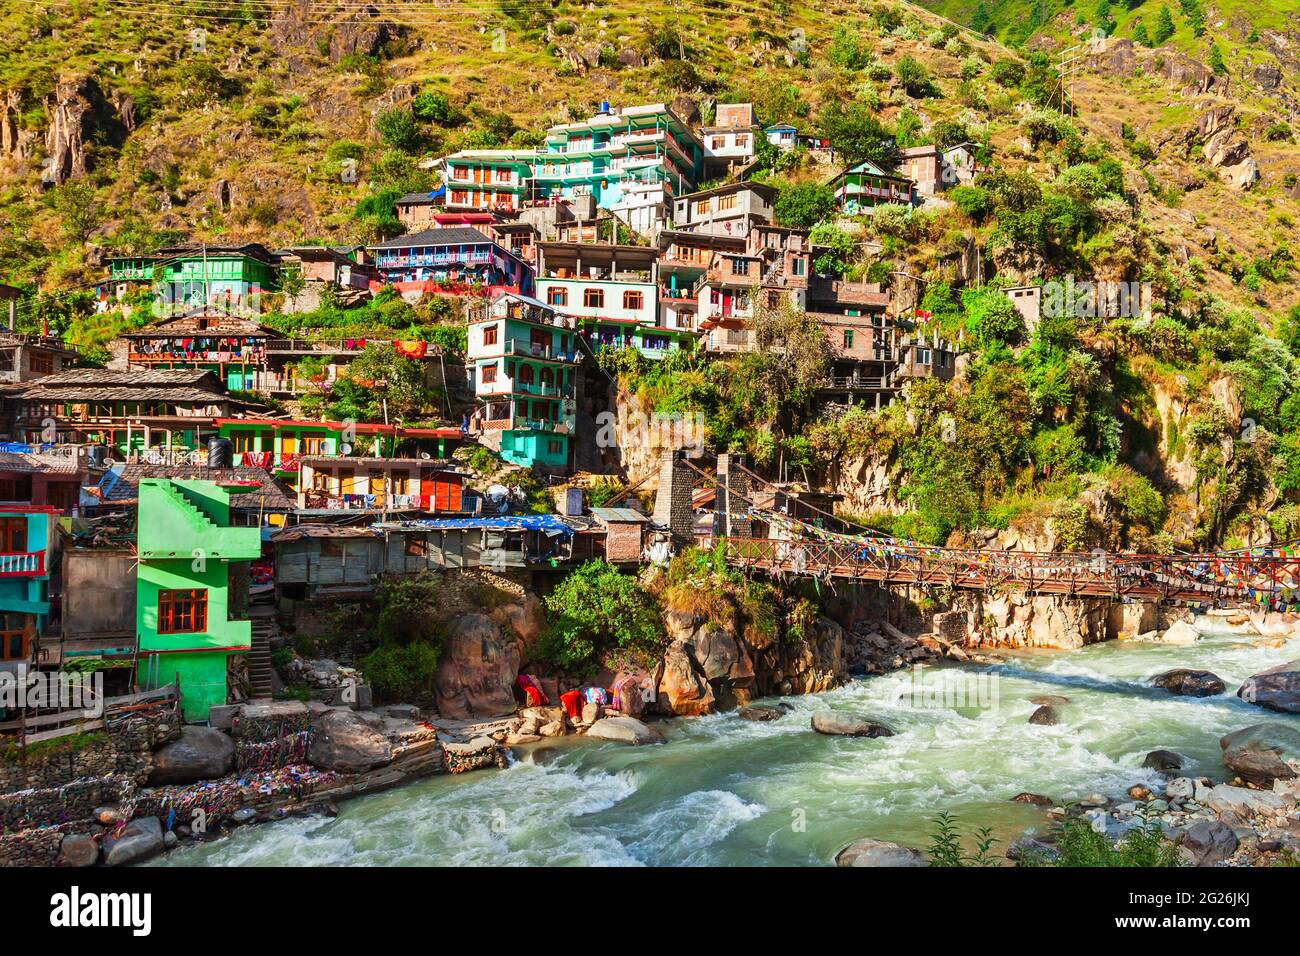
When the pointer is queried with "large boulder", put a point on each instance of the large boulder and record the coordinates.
(1207, 842)
(1277, 688)
(1185, 682)
(139, 840)
(1163, 760)
(1262, 753)
(836, 724)
(683, 691)
(477, 669)
(1045, 716)
(625, 730)
(1181, 633)
(879, 853)
(201, 753)
(341, 741)
(78, 849)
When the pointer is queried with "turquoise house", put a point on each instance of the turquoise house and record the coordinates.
(26, 557)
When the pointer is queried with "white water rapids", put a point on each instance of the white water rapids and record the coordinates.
(725, 791)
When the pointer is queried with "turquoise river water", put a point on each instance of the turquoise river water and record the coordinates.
(725, 791)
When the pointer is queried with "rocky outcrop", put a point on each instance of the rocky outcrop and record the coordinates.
(879, 853)
(1180, 633)
(139, 840)
(342, 741)
(712, 665)
(1184, 682)
(1019, 620)
(201, 753)
(1277, 688)
(79, 116)
(1163, 760)
(1262, 753)
(477, 670)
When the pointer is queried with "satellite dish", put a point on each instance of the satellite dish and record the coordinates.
(425, 455)
(345, 448)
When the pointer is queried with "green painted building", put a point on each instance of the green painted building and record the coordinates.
(186, 278)
(190, 563)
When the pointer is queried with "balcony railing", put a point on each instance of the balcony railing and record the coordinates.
(22, 564)
(533, 350)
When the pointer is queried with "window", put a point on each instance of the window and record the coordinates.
(848, 338)
(593, 298)
(313, 446)
(489, 373)
(633, 300)
(554, 446)
(490, 335)
(726, 202)
(702, 207)
(243, 443)
(183, 611)
(13, 535)
(525, 375)
(16, 631)
(773, 300)
(718, 142)
(40, 363)
(799, 266)
(922, 356)
(742, 140)
(557, 296)
(739, 267)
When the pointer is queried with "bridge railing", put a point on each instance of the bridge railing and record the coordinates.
(1211, 577)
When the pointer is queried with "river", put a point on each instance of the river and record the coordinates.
(725, 791)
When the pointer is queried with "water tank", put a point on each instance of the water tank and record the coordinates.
(604, 107)
(96, 455)
(220, 453)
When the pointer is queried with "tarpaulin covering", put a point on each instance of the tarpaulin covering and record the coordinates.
(547, 524)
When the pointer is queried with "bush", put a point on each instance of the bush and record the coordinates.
(401, 673)
(803, 205)
(399, 129)
(595, 610)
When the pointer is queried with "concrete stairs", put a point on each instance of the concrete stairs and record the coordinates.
(259, 655)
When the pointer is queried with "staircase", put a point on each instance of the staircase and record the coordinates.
(259, 655)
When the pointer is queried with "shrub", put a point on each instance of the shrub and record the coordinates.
(597, 609)
(401, 673)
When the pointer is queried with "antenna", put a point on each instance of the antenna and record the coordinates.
(1068, 63)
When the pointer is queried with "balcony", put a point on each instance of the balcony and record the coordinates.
(534, 350)
(22, 564)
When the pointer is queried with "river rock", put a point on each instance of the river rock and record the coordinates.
(1029, 850)
(1185, 682)
(342, 742)
(1037, 799)
(846, 725)
(1241, 803)
(1207, 842)
(78, 849)
(1181, 633)
(1277, 688)
(592, 712)
(1163, 760)
(1180, 788)
(141, 839)
(477, 669)
(1262, 753)
(760, 712)
(626, 730)
(201, 753)
(879, 853)
(1045, 716)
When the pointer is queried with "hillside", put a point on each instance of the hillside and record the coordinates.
(1160, 163)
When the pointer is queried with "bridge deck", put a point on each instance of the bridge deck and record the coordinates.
(1218, 579)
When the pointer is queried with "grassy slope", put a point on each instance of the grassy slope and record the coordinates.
(287, 189)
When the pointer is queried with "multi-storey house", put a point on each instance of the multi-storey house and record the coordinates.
(732, 139)
(523, 360)
(457, 259)
(865, 186)
(229, 279)
(729, 210)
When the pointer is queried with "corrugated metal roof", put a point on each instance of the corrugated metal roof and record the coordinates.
(619, 515)
(451, 236)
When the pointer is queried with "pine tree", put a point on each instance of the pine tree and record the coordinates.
(1102, 17)
(1140, 34)
(981, 21)
(1164, 27)
(1216, 60)
(1195, 15)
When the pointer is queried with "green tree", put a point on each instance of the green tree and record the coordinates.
(981, 21)
(597, 609)
(1164, 27)
(913, 77)
(78, 209)
(1216, 60)
(380, 383)
(1103, 18)
(857, 135)
(399, 129)
(803, 205)
(838, 249)
(1140, 34)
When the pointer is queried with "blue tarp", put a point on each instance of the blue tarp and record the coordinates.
(547, 524)
(16, 447)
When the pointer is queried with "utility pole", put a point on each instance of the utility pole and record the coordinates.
(681, 42)
(1068, 62)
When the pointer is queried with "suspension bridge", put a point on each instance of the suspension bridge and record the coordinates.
(1261, 578)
